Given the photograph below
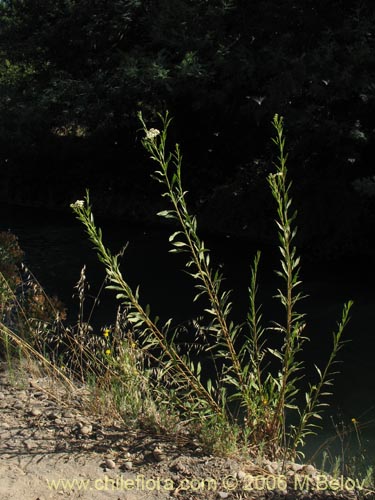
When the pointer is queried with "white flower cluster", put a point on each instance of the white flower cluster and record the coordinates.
(78, 204)
(152, 133)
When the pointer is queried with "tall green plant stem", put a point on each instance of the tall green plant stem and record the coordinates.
(220, 307)
(138, 316)
(294, 324)
(289, 272)
(313, 405)
(256, 331)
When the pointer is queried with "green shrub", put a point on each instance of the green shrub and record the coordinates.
(243, 398)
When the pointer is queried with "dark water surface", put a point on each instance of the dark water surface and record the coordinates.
(56, 248)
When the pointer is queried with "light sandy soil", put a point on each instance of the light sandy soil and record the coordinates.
(50, 448)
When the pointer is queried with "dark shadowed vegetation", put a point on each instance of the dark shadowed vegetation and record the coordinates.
(73, 74)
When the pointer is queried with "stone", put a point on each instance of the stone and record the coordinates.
(295, 467)
(36, 412)
(241, 475)
(178, 466)
(275, 466)
(110, 464)
(269, 468)
(222, 494)
(52, 415)
(68, 414)
(128, 465)
(309, 469)
(158, 455)
(39, 395)
(30, 444)
(85, 430)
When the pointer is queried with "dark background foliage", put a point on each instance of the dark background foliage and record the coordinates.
(74, 73)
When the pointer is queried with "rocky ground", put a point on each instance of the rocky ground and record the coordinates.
(51, 448)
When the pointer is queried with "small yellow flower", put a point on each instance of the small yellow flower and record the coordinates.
(133, 345)
(108, 352)
(265, 401)
(106, 332)
(354, 421)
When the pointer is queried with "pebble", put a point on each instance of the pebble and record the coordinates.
(110, 464)
(222, 494)
(52, 415)
(275, 466)
(309, 469)
(128, 465)
(2, 395)
(86, 429)
(269, 468)
(241, 475)
(180, 467)
(158, 454)
(36, 412)
(30, 444)
(40, 395)
(68, 414)
(295, 467)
